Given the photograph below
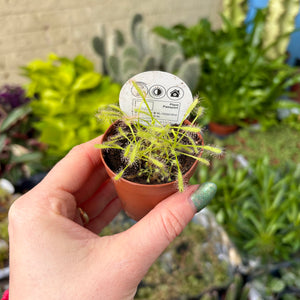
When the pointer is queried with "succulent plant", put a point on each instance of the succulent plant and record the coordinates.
(280, 23)
(235, 11)
(121, 59)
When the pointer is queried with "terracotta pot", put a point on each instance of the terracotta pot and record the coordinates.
(221, 129)
(251, 121)
(138, 199)
(296, 90)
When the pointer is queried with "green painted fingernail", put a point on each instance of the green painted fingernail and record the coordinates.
(204, 195)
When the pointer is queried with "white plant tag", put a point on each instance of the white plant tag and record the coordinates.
(167, 96)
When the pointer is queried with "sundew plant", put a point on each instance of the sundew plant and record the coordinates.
(155, 151)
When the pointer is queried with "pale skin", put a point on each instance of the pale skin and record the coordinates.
(53, 256)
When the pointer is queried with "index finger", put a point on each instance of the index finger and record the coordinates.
(78, 168)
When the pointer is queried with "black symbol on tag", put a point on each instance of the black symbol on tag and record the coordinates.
(175, 93)
(157, 91)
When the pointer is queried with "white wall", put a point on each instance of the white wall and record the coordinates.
(31, 29)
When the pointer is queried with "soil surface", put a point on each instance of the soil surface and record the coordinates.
(113, 158)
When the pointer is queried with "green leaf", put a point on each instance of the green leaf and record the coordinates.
(108, 146)
(156, 162)
(86, 81)
(14, 116)
(134, 153)
(278, 199)
(83, 65)
(190, 109)
(286, 104)
(143, 95)
(212, 149)
(180, 181)
(120, 174)
(202, 160)
(277, 285)
(164, 32)
(3, 138)
(57, 133)
(26, 158)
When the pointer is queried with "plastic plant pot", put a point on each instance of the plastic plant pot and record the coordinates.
(138, 199)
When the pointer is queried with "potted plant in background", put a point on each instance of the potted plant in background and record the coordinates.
(240, 82)
(149, 160)
(295, 89)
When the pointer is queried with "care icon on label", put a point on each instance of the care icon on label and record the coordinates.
(157, 91)
(175, 93)
(142, 86)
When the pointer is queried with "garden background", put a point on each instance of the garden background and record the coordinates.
(60, 61)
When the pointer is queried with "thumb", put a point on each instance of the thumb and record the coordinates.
(152, 234)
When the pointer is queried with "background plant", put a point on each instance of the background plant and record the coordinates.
(272, 142)
(281, 281)
(6, 200)
(279, 23)
(20, 152)
(190, 270)
(65, 95)
(293, 119)
(153, 149)
(143, 51)
(238, 81)
(258, 207)
(236, 11)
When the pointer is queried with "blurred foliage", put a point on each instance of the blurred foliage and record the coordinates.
(20, 152)
(188, 269)
(280, 23)
(65, 95)
(282, 282)
(258, 206)
(11, 96)
(280, 143)
(235, 10)
(125, 56)
(6, 200)
(192, 268)
(238, 82)
(293, 119)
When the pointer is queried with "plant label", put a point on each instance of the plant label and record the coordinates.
(166, 96)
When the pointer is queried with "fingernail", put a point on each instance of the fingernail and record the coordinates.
(203, 195)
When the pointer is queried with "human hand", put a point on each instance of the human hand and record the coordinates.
(53, 255)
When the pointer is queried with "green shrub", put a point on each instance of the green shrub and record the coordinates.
(258, 207)
(238, 81)
(65, 96)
